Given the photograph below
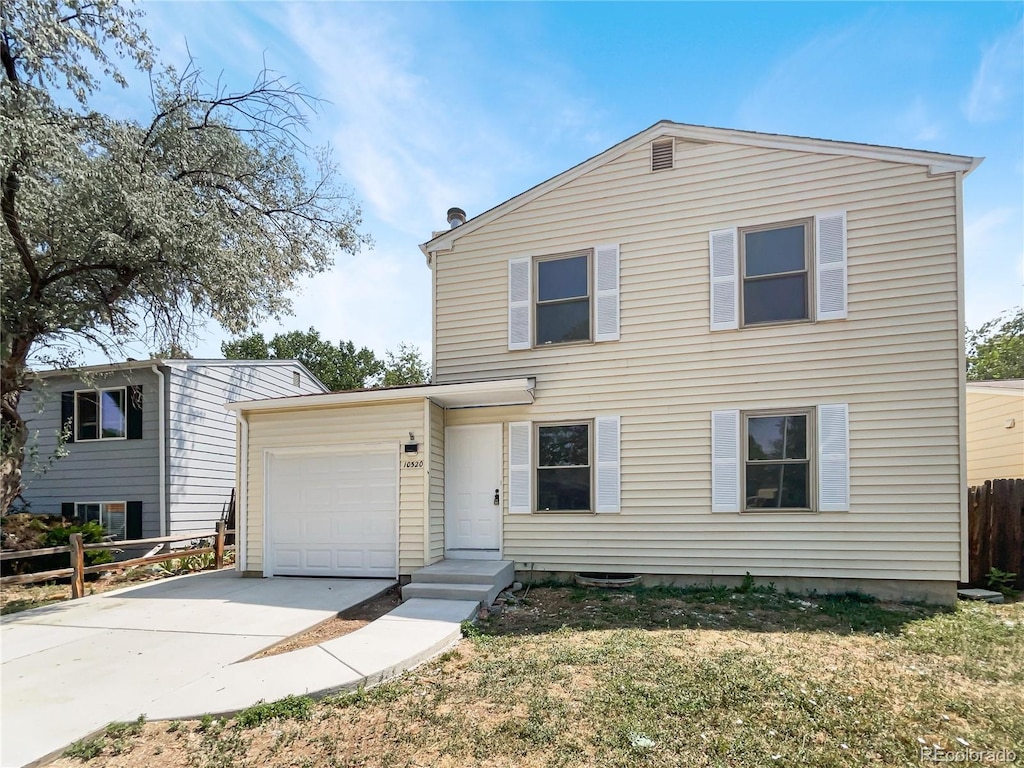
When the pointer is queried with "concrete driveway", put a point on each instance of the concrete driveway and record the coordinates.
(69, 669)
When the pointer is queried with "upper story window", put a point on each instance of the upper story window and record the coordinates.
(101, 414)
(562, 312)
(781, 272)
(114, 413)
(776, 273)
(564, 298)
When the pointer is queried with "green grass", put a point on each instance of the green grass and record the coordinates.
(659, 677)
(288, 708)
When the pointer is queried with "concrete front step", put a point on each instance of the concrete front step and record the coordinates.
(500, 572)
(481, 593)
(479, 580)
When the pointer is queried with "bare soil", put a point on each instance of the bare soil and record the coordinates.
(344, 623)
(645, 679)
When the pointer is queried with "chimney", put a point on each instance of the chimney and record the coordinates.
(456, 217)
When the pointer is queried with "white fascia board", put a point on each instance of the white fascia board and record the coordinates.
(369, 396)
(937, 162)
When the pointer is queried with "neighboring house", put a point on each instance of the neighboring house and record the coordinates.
(150, 448)
(700, 354)
(995, 430)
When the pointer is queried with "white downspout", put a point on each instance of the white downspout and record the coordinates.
(242, 502)
(163, 448)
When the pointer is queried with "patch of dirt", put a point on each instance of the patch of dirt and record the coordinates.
(343, 624)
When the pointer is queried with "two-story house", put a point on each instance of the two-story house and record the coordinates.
(699, 354)
(148, 448)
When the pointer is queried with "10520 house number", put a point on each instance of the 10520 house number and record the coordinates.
(413, 464)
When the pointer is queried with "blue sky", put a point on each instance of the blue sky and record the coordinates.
(430, 105)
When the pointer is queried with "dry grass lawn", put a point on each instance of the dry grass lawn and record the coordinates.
(657, 677)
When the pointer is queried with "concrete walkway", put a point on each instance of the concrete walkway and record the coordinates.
(71, 668)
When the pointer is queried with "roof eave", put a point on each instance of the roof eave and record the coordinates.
(936, 162)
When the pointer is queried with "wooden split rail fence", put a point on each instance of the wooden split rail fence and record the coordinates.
(77, 549)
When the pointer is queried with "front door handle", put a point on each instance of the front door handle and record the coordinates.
(497, 501)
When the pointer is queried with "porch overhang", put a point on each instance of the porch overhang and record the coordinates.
(467, 394)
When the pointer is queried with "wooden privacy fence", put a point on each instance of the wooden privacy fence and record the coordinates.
(78, 569)
(995, 529)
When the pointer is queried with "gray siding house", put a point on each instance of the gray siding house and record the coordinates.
(149, 448)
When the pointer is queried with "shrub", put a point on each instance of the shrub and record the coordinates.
(28, 531)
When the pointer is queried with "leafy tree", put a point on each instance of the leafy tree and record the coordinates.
(339, 366)
(996, 349)
(116, 229)
(405, 367)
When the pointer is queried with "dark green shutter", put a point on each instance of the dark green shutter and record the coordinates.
(67, 510)
(134, 524)
(135, 413)
(67, 414)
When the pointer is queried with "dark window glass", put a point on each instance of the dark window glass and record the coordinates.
(774, 299)
(563, 473)
(564, 321)
(563, 489)
(776, 437)
(778, 486)
(770, 251)
(112, 413)
(89, 513)
(562, 278)
(87, 427)
(564, 446)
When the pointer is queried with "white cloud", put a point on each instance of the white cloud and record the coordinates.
(918, 122)
(998, 81)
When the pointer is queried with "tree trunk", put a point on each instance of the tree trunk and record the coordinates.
(13, 430)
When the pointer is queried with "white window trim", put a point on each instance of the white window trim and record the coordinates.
(811, 412)
(103, 505)
(99, 416)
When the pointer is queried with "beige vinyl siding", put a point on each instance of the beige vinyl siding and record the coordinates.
(993, 451)
(337, 426)
(893, 361)
(436, 487)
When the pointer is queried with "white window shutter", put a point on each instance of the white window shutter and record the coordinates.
(830, 265)
(607, 292)
(519, 303)
(608, 464)
(520, 470)
(725, 461)
(724, 280)
(833, 458)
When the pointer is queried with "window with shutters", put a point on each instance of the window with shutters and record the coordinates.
(564, 467)
(776, 272)
(786, 272)
(562, 308)
(777, 465)
(112, 515)
(101, 414)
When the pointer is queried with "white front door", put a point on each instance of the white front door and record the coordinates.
(472, 491)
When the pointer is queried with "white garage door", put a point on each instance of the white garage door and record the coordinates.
(333, 513)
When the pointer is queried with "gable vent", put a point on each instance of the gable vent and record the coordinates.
(661, 154)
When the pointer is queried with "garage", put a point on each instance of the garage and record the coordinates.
(333, 512)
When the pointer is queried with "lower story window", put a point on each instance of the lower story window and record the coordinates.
(777, 466)
(564, 467)
(112, 515)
